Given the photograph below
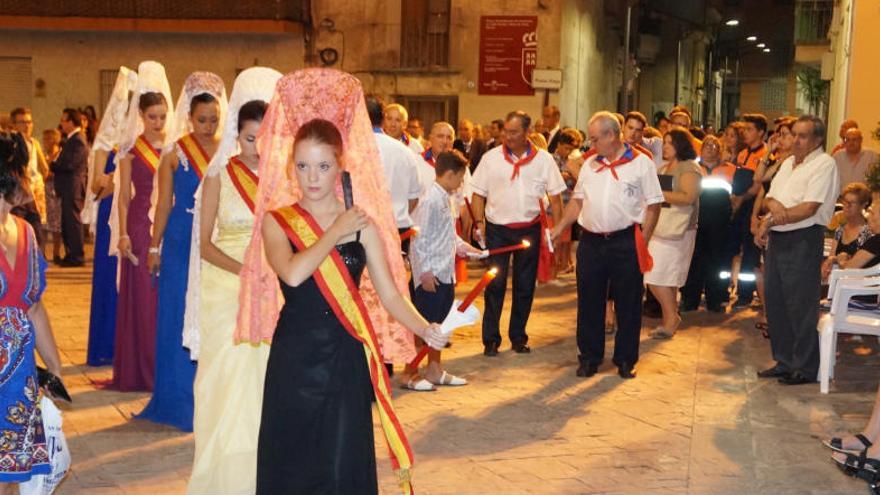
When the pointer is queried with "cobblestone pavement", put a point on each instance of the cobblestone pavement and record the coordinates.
(696, 420)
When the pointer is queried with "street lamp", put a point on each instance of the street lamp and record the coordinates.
(766, 50)
(752, 38)
(732, 22)
(761, 45)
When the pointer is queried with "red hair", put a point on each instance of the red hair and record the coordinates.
(321, 131)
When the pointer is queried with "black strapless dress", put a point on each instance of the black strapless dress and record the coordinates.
(316, 434)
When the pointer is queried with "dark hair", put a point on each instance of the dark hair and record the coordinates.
(321, 131)
(19, 111)
(448, 161)
(499, 123)
(818, 126)
(90, 112)
(570, 136)
(758, 119)
(697, 133)
(13, 163)
(72, 115)
(681, 141)
(150, 99)
(199, 99)
(253, 110)
(637, 116)
(375, 109)
(523, 117)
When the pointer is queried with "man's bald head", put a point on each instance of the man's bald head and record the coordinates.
(465, 130)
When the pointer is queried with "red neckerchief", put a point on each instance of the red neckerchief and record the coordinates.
(428, 155)
(530, 155)
(629, 155)
(587, 154)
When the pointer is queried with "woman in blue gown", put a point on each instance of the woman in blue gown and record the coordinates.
(180, 173)
(102, 318)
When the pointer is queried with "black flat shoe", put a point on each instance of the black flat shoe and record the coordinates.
(626, 371)
(521, 348)
(836, 444)
(490, 350)
(796, 378)
(774, 372)
(587, 370)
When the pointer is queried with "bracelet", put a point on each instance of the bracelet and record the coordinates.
(153, 250)
(124, 237)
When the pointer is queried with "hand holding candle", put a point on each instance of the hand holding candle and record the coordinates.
(525, 244)
(414, 230)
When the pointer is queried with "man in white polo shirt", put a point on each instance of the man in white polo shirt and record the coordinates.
(616, 202)
(800, 204)
(440, 140)
(508, 185)
(401, 170)
(394, 124)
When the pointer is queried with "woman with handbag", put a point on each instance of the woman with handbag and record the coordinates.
(672, 244)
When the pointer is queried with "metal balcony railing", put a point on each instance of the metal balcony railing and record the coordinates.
(812, 19)
(279, 10)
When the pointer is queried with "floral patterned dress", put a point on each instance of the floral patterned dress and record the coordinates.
(22, 440)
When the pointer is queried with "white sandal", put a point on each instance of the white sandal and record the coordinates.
(450, 380)
(419, 384)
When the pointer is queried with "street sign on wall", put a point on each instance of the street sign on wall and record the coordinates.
(508, 54)
(547, 78)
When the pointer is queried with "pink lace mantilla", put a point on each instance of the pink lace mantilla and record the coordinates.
(337, 97)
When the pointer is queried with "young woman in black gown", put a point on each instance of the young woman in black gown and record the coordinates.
(316, 434)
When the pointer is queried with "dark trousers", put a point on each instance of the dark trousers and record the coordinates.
(792, 276)
(745, 244)
(604, 262)
(711, 257)
(525, 274)
(71, 225)
(434, 306)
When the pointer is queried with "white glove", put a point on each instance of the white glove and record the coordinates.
(434, 336)
(477, 255)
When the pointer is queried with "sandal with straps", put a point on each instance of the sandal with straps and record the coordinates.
(450, 380)
(836, 444)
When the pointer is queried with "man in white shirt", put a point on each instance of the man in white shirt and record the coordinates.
(800, 204)
(394, 124)
(853, 161)
(634, 124)
(509, 183)
(401, 170)
(617, 190)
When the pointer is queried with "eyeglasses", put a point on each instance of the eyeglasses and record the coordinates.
(19, 122)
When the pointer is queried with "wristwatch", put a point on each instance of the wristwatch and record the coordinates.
(154, 250)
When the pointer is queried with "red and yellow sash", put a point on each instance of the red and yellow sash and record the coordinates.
(195, 154)
(338, 288)
(145, 151)
(245, 182)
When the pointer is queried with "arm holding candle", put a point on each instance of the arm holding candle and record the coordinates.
(572, 210)
(399, 306)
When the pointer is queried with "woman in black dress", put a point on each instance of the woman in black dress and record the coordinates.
(316, 434)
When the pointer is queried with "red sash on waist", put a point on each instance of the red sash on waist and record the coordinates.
(524, 225)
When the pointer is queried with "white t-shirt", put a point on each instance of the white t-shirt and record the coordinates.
(515, 200)
(815, 180)
(612, 204)
(401, 172)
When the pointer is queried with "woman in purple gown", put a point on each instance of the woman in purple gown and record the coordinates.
(135, 354)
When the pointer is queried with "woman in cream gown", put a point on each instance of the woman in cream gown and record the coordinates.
(228, 386)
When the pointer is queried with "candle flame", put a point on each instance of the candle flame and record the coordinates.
(526, 243)
(416, 229)
(493, 271)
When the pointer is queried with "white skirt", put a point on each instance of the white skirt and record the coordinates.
(672, 260)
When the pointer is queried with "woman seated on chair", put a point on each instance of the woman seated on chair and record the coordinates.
(854, 231)
(869, 253)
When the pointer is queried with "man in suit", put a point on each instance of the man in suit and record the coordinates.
(495, 129)
(550, 115)
(71, 169)
(468, 144)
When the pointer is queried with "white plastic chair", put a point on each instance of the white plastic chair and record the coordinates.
(843, 319)
(838, 274)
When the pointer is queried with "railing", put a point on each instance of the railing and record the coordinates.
(281, 10)
(424, 34)
(812, 19)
